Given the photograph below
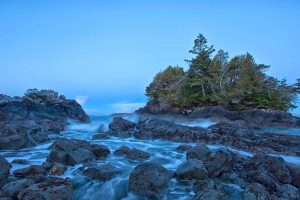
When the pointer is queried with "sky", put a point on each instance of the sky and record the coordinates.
(104, 53)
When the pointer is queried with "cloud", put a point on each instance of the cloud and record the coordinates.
(126, 107)
(81, 99)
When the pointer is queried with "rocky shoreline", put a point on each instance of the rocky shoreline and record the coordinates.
(219, 173)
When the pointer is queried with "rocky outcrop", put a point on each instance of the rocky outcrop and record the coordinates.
(121, 127)
(72, 151)
(149, 179)
(27, 121)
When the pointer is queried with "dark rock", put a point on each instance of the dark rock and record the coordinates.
(261, 177)
(57, 169)
(121, 127)
(200, 152)
(4, 170)
(149, 179)
(191, 169)
(123, 150)
(183, 147)
(256, 191)
(275, 166)
(131, 154)
(295, 174)
(71, 152)
(102, 172)
(13, 188)
(288, 191)
(219, 162)
(32, 170)
(49, 190)
(209, 190)
(20, 161)
(100, 136)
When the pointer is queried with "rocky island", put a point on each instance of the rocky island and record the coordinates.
(51, 149)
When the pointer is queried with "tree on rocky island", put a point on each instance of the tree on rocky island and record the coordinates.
(238, 83)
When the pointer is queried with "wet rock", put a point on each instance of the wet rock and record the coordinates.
(219, 162)
(131, 154)
(121, 127)
(49, 190)
(100, 136)
(102, 172)
(20, 161)
(208, 190)
(275, 166)
(32, 170)
(191, 169)
(71, 152)
(149, 179)
(184, 147)
(256, 191)
(288, 191)
(4, 170)
(200, 152)
(264, 179)
(123, 150)
(13, 188)
(57, 169)
(295, 174)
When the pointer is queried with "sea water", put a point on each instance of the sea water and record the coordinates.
(162, 152)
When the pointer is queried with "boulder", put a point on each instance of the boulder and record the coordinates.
(271, 185)
(288, 191)
(49, 190)
(200, 152)
(4, 170)
(32, 170)
(12, 189)
(149, 179)
(71, 152)
(102, 172)
(123, 150)
(183, 147)
(209, 190)
(219, 162)
(191, 169)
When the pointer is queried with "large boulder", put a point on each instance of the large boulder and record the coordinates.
(102, 172)
(48, 190)
(71, 152)
(149, 179)
(4, 170)
(191, 169)
(121, 127)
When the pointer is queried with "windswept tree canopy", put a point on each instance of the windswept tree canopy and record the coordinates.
(214, 79)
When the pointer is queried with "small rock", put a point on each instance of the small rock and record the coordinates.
(131, 154)
(102, 172)
(57, 169)
(256, 191)
(123, 150)
(100, 136)
(184, 147)
(20, 161)
(4, 170)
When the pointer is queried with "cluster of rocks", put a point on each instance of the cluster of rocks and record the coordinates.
(252, 117)
(27, 121)
(231, 134)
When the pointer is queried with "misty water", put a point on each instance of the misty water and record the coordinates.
(162, 152)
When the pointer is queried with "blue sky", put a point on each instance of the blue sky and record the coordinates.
(104, 53)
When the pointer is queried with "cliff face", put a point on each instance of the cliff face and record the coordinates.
(26, 121)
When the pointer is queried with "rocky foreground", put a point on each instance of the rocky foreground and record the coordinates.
(210, 174)
(27, 121)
